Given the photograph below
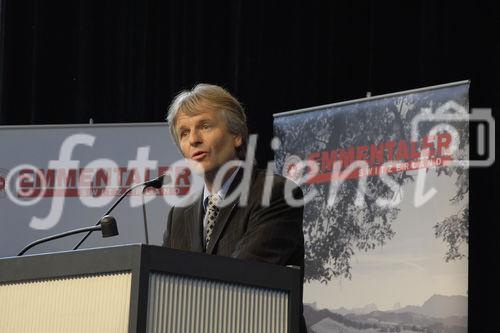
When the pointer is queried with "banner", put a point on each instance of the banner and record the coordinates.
(386, 215)
(57, 178)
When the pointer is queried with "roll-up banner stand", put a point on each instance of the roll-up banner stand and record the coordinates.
(386, 219)
(54, 178)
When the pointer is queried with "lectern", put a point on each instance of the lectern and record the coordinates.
(140, 288)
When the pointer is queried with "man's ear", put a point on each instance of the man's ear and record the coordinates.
(237, 140)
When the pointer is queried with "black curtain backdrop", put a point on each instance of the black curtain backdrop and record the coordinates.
(66, 61)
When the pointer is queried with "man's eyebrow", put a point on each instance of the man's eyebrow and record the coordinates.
(205, 120)
(198, 122)
(181, 128)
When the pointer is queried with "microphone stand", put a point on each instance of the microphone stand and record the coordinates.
(107, 226)
(157, 182)
(145, 219)
(107, 213)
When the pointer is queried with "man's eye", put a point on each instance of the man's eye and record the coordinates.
(183, 134)
(206, 126)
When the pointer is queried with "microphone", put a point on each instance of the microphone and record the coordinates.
(107, 225)
(156, 183)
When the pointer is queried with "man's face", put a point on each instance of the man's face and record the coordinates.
(205, 138)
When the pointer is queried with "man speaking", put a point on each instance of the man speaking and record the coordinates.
(209, 127)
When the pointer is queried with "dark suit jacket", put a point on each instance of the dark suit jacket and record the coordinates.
(270, 234)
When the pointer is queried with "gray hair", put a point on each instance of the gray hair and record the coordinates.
(188, 102)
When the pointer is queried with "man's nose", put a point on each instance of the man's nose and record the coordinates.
(194, 137)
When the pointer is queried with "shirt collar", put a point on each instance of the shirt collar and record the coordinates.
(222, 191)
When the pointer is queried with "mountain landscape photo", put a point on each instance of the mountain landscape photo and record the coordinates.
(438, 314)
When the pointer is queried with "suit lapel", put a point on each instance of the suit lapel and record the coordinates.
(225, 212)
(193, 221)
(220, 223)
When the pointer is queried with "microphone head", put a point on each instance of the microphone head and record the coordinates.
(157, 182)
(108, 226)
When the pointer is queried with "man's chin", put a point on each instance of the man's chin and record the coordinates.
(197, 167)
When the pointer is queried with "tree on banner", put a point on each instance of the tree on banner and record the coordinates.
(377, 132)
